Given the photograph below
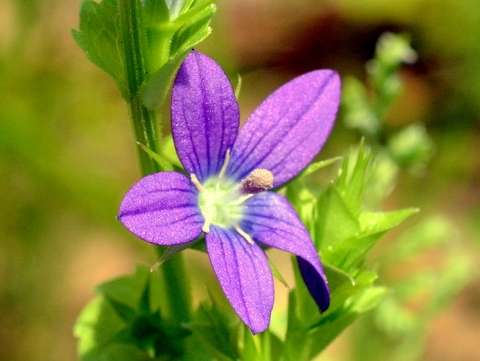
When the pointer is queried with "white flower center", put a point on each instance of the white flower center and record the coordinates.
(221, 200)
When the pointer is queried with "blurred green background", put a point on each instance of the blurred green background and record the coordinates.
(67, 155)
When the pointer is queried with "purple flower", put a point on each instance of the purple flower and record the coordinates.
(227, 194)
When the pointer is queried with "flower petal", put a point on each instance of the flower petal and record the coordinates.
(205, 115)
(162, 208)
(289, 128)
(270, 219)
(244, 274)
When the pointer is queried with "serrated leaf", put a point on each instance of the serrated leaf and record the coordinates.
(100, 37)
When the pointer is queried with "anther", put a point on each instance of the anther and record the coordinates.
(259, 180)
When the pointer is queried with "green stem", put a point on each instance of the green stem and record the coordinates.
(144, 120)
(177, 288)
(144, 123)
(145, 129)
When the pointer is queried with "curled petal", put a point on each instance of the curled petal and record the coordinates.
(270, 219)
(162, 209)
(289, 128)
(205, 115)
(244, 274)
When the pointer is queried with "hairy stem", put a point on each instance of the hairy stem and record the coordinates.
(144, 121)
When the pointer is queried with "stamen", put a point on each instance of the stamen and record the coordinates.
(197, 183)
(241, 231)
(259, 180)
(224, 166)
(208, 221)
(240, 200)
(206, 226)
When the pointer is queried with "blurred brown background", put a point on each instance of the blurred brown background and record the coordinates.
(67, 155)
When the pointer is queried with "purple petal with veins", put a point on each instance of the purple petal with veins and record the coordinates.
(270, 219)
(244, 274)
(205, 115)
(289, 128)
(162, 208)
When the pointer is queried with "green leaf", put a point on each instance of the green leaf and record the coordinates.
(192, 9)
(349, 299)
(170, 153)
(265, 346)
(334, 223)
(342, 287)
(216, 330)
(155, 91)
(156, 12)
(277, 274)
(125, 289)
(320, 337)
(101, 39)
(358, 112)
(432, 232)
(175, 7)
(353, 177)
(238, 87)
(164, 164)
(173, 250)
(412, 146)
(192, 31)
(117, 352)
(97, 325)
(336, 277)
(250, 350)
(381, 222)
(313, 167)
(125, 312)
